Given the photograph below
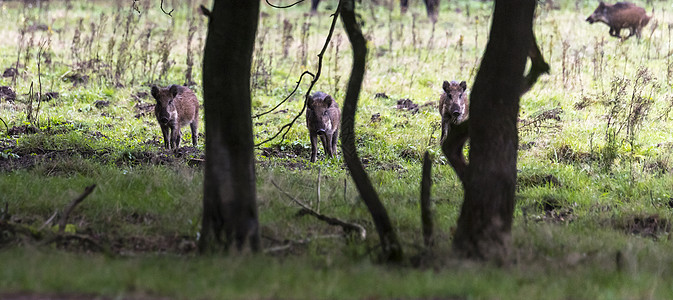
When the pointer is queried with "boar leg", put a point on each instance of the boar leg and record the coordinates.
(327, 144)
(314, 147)
(194, 126)
(614, 31)
(165, 132)
(634, 30)
(335, 138)
(175, 138)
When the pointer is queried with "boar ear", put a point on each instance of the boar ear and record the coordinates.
(601, 4)
(328, 100)
(155, 92)
(174, 90)
(446, 86)
(309, 102)
(463, 85)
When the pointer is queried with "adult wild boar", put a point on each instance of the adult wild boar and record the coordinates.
(323, 119)
(453, 105)
(176, 107)
(619, 16)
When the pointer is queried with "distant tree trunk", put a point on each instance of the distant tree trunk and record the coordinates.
(229, 197)
(392, 251)
(489, 180)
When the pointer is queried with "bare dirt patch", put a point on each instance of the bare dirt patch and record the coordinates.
(10, 72)
(7, 93)
(286, 151)
(407, 105)
(553, 210)
(143, 109)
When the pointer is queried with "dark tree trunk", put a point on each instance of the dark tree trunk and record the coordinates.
(392, 251)
(229, 198)
(489, 180)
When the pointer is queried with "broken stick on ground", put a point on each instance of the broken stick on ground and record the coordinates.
(68, 210)
(347, 227)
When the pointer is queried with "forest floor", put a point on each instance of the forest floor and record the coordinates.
(594, 205)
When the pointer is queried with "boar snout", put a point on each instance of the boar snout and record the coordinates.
(455, 111)
(590, 20)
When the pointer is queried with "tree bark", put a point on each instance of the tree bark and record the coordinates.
(485, 221)
(229, 198)
(392, 251)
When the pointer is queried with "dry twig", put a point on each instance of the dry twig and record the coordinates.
(68, 210)
(347, 227)
(46, 223)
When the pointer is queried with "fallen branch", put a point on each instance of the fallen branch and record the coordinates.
(288, 243)
(68, 210)
(46, 223)
(9, 229)
(347, 227)
(46, 237)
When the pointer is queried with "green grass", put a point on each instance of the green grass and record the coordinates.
(600, 229)
(572, 273)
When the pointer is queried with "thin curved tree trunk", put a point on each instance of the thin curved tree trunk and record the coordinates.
(489, 180)
(229, 198)
(392, 251)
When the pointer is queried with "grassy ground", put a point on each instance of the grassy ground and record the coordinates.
(593, 215)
